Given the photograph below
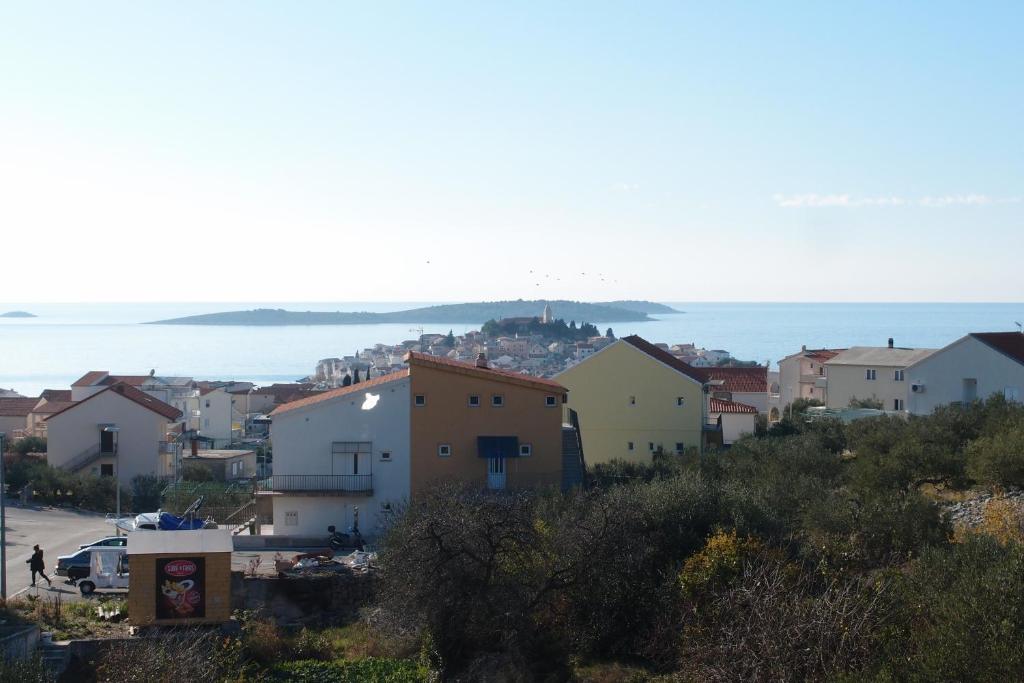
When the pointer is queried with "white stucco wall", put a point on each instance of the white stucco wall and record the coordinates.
(302, 441)
(846, 382)
(735, 425)
(757, 399)
(78, 429)
(943, 373)
(215, 416)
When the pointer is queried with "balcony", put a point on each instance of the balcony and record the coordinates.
(316, 484)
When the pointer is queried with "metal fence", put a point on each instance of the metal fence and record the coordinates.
(346, 483)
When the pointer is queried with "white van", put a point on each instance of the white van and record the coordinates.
(108, 568)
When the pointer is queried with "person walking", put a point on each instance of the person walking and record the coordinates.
(36, 565)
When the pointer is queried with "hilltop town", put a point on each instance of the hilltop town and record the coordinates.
(541, 345)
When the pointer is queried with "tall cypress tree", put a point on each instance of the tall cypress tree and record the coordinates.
(355, 376)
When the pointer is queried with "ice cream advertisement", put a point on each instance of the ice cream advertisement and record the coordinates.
(180, 588)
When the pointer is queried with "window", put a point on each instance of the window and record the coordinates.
(385, 455)
(525, 450)
(291, 518)
(497, 400)
(444, 450)
(420, 400)
(897, 375)
(870, 374)
(821, 370)
(207, 403)
(474, 400)
(680, 401)
(629, 445)
(550, 401)
(650, 446)
(632, 400)
(680, 447)
(385, 508)
(897, 404)
(106, 470)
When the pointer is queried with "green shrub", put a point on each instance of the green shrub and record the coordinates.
(373, 670)
(998, 459)
(146, 492)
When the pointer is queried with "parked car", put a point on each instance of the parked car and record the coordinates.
(74, 566)
(107, 568)
(108, 542)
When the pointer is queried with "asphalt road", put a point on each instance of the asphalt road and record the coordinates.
(59, 532)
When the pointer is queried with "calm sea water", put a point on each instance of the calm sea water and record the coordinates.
(66, 340)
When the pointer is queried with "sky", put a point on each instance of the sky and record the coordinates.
(443, 151)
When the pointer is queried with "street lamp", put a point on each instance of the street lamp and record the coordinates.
(117, 474)
(3, 521)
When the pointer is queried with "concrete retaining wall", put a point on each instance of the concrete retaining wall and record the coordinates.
(20, 644)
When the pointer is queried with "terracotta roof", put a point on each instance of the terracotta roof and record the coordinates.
(720, 405)
(17, 407)
(52, 407)
(286, 393)
(340, 391)
(822, 354)
(740, 380)
(440, 363)
(169, 412)
(1007, 343)
(90, 378)
(665, 357)
(56, 394)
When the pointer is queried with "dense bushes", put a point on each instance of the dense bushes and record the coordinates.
(55, 486)
(815, 552)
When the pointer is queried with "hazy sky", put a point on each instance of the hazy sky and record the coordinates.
(241, 151)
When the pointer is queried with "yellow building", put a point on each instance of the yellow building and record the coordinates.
(633, 398)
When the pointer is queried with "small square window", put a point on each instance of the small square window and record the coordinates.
(629, 445)
(897, 404)
(525, 450)
(897, 375)
(680, 447)
(550, 401)
(869, 374)
(474, 400)
(291, 518)
(420, 400)
(680, 401)
(632, 400)
(497, 400)
(650, 446)
(444, 450)
(385, 455)
(385, 508)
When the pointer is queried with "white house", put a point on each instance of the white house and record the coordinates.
(216, 414)
(117, 423)
(871, 372)
(736, 419)
(971, 368)
(360, 445)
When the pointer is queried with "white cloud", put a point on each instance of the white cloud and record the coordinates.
(803, 201)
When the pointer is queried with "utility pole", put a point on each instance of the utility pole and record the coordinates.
(3, 521)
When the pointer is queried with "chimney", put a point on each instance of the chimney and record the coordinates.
(890, 342)
(481, 360)
(195, 447)
(803, 347)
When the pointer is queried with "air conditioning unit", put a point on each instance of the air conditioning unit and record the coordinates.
(917, 387)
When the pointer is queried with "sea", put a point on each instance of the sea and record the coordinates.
(66, 340)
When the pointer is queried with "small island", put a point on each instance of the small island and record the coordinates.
(468, 313)
(18, 314)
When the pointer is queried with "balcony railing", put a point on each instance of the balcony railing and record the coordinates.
(316, 483)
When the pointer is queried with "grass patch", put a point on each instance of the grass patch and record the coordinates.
(102, 618)
(371, 670)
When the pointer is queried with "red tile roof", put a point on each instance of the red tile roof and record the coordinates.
(133, 380)
(720, 405)
(667, 358)
(440, 363)
(322, 396)
(822, 354)
(739, 380)
(56, 394)
(286, 393)
(1007, 343)
(169, 412)
(17, 407)
(52, 407)
(90, 378)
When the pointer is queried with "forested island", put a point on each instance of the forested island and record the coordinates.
(471, 313)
